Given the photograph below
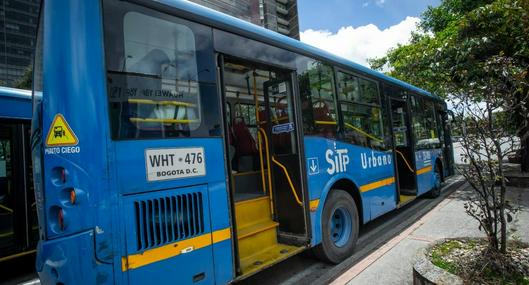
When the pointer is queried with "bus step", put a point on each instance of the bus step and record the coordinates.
(267, 257)
(252, 211)
(255, 237)
(405, 199)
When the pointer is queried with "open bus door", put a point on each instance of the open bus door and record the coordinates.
(403, 149)
(18, 222)
(264, 159)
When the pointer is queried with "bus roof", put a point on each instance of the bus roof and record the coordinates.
(223, 21)
(16, 103)
(15, 93)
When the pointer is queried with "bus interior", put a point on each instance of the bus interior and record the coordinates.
(404, 153)
(264, 164)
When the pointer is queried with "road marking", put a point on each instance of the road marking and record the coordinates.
(374, 256)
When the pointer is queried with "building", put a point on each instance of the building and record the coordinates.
(18, 25)
(277, 15)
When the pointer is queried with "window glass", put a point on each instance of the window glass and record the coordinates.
(318, 99)
(424, 124)
(360, 107)
(160, 75)
(357, 90)
(7, 187)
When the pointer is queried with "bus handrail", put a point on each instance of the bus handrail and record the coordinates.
(405, 160)
(261, 162)
(153, 102)
(363, 132)
(350, 127)
(268, 170)
(6, 208)
(292, 188)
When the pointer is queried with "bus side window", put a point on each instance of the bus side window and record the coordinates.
(424, 124)
(318, 99)
(160, 76)
(360, 107)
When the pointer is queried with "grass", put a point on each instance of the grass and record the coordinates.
(443, 257)
(495, 277)
(439, 252)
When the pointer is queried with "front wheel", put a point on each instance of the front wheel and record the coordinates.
(339, 227)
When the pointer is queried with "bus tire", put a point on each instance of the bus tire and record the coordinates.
(339, 226)
(436, 190)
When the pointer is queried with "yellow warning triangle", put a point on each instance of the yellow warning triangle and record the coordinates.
(60, 133)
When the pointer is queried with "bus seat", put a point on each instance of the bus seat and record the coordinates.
(244, 143)
(322, 113)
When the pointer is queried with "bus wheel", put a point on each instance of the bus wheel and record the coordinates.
(436, 190)
(339, 227)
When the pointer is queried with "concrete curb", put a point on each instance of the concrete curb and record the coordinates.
(425, 273)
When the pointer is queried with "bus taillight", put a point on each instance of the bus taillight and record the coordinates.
(72, 196)
(60, 219)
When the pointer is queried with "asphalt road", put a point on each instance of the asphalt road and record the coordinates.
(305, 269)
(302, 268)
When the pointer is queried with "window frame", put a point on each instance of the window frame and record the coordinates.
(422, 115)
(114, 46)
(334, 96)
(380, 106)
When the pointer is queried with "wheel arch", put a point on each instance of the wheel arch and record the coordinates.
(351, 188)
(342, 182)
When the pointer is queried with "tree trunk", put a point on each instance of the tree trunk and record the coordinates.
(524, 145)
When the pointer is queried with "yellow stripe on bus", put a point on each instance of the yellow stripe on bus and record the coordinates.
(377, 184)
(173, 249)
(314, 205)
(424, 170)
(221, 235)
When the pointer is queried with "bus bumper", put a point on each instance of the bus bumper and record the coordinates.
(71, 260)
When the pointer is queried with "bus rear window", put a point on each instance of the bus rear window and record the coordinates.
(153, 78)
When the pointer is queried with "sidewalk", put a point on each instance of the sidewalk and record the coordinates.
(392, 263)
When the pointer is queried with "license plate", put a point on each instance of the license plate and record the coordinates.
(174, 163)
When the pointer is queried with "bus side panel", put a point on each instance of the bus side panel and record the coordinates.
(73, 68)
(15, 108)
(211, 262)
(78, 267)
(425, 162)
(220, 223)
(372, 172)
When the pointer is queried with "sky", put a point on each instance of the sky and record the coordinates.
(359, 29)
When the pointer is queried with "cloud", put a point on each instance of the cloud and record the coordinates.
(365, 4)
(359, 44)
(380, 3)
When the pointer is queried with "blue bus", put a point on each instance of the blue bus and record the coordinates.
(18, 216)
(173, 144)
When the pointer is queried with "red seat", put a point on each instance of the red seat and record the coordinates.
(243, 142)
(322, 113)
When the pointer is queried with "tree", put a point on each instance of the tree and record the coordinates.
(476, 54)
(26, 80)
(456, 42)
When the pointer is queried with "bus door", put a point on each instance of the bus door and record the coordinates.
(403, 149)
(284, 154)
(263, 154)
(17, 208)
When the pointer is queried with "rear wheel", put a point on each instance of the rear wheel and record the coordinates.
(339, 227)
